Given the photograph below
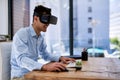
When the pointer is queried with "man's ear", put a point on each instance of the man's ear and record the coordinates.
(35, 18)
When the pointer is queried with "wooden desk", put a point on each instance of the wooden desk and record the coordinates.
(94, 68)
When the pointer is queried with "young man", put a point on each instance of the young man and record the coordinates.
(28, 44)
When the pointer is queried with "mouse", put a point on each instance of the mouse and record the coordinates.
(66, 70)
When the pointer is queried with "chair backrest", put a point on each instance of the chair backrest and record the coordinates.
(5, 53)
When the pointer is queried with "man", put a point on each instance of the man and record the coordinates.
(28, 44)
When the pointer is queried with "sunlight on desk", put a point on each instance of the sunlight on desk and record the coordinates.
(94, 68)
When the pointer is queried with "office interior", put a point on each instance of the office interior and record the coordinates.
(81, 24)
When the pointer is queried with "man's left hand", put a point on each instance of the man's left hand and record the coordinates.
(66, 60)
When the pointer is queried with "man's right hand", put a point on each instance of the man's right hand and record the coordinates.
(53, 66)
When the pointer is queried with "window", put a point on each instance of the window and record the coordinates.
(89, 0)
(90, 41)
(89, 19)
(57, 36)
(89, 9)
(89, 30)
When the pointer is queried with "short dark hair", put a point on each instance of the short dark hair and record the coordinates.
(44, 15)
(40, 9)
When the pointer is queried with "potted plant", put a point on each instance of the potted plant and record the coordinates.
(7, 37)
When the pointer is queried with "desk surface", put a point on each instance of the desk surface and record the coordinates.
(94, 68)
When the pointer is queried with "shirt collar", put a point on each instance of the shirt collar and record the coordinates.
(32, 31)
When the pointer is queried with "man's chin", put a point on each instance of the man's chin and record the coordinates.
(44, 30)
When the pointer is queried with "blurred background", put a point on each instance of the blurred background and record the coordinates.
(90, 24)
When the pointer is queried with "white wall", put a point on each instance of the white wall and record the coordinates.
(3, 17)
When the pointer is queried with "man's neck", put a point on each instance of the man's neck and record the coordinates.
(36, 30)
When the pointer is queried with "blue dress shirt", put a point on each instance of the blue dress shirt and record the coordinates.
(26, 48)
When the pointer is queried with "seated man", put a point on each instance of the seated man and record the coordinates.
(28, 44)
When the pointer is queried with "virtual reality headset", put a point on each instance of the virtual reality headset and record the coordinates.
(47, 18)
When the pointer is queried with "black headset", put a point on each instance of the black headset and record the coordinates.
(46, 18)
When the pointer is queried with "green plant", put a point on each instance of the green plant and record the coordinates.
(115, 41)
(7, 36)
(78, 63)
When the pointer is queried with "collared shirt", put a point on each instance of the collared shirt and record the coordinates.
(26, 48)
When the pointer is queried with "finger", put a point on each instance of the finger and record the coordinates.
(61, 66)
(59, 63)
(65, 61)
(71, 59)
(57, 69)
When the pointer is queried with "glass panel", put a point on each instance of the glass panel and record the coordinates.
(76, 47)
(57, 36)
(90, 29)
(97, 19)
(114, 29)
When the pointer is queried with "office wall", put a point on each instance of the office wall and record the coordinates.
(3, 17)
(20, 14)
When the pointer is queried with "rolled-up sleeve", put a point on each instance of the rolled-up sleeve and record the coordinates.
(50, 56)
(46, 55)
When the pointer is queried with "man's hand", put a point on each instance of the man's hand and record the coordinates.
(66, 59)
(53, 66)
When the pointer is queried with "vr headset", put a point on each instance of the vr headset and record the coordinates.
(47, 18)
